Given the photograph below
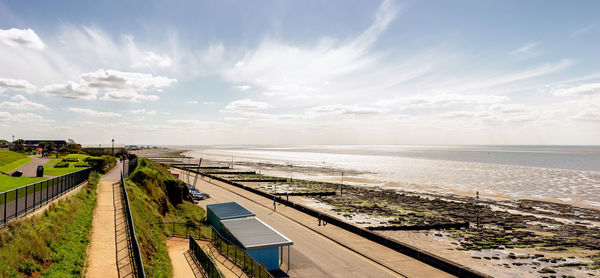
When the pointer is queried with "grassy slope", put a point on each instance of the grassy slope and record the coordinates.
(155, 197)
(53, 244)
(11, 160)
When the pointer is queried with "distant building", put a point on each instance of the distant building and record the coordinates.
(101, 149)
(32, 144)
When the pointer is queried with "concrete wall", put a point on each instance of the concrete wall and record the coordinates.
(267, 256)
(213, 220)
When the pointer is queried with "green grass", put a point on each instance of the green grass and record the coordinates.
(153, 194)
(52, 244)
(59, 171)
(10, 160)
(8, 182)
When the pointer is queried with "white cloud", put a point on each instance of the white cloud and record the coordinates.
(439, 101)
(22, 103)
(510, 108)
(246, 104)
(92, 113)
(151, 59)
(589, 89)
(276, 67)
(118, 80)
(130, 96)
(587, 116)
(16, 85)
(525, 48)
(243, 87)
(21, 38)
(116, 85)
(143, 111)
(70, 90)
(346, 110)
(34, 119)
(192, 102)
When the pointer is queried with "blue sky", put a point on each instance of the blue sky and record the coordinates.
(301, 72)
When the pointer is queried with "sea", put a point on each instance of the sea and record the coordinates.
(567, 174)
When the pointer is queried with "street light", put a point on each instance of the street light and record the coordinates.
(113, 147)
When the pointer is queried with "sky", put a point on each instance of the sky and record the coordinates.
(301, 72)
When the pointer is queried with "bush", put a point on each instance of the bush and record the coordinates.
(82, 164)
(70, 159)
(61, 164)
(101, 164)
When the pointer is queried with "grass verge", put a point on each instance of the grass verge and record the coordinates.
(10, 160)
(52, 244)
(156, 196)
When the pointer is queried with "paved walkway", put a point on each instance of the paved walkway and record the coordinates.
(177, 248)
(102, 251)
(30, 169)
(316, 251)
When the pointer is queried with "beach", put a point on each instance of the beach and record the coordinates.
(517, 236)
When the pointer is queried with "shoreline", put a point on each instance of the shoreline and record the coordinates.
(513, 248)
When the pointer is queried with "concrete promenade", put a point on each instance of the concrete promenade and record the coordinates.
(321, 251)
(102, 251)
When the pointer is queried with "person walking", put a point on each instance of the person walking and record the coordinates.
(319, 216)
(274, 203)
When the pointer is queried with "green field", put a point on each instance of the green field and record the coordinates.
(11, 160)
(50, 170)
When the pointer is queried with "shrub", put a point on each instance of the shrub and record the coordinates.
(82, 164)
(101, 164)
(61, 164)
(70, 159)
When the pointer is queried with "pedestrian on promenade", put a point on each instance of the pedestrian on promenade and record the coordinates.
(287, 196)
(319, 216)
(274, 203)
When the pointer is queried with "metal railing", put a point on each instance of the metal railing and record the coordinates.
(129, 167)
(223, 245)
(208, 266)
(18, 202)
(134, 248)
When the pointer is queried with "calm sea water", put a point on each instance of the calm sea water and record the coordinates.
(564, 173)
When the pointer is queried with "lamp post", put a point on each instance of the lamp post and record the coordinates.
(113, 147)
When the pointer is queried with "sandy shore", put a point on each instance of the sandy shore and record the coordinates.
(517, 238)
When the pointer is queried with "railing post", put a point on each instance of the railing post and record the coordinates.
(16, 202)
(5, 204)
(26, 190)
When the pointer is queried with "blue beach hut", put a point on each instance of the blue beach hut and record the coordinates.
(263, 243)
(215, 213)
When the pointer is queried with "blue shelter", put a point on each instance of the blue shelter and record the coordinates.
(215, 213)
(263, 243)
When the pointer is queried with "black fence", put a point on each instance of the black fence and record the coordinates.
(18, 202)
(132, 243)
(222, 245)
(208, 266)
(130, 166)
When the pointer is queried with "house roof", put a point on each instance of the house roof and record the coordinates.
(229, 210)
(255, 234)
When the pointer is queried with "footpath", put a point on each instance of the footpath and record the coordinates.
(108, 220)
